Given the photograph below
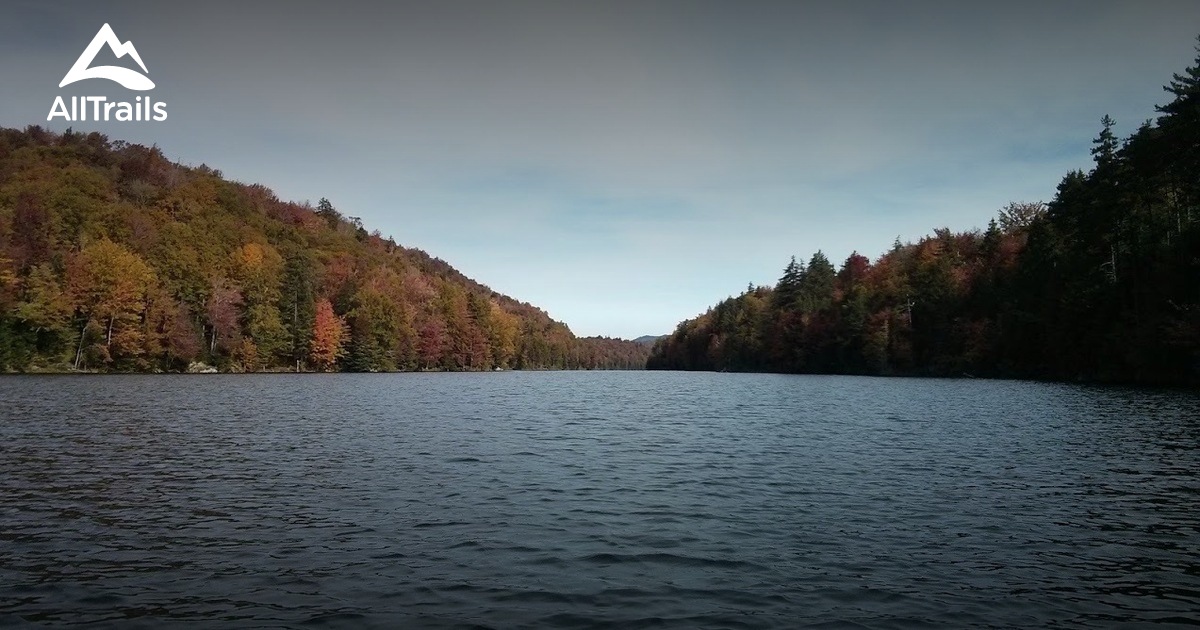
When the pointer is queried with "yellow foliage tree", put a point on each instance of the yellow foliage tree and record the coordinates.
(107, 285)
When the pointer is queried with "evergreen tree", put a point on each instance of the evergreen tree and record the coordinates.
(332, 217)
(816, 285)
(296, 303)
(1104, 148)
(787, 290)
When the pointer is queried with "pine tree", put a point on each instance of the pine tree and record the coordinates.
(788, 287)
(817, 284)
(326, 211)
(1105, 145)
(296, 303)
(1186, 89)
(1180, 124)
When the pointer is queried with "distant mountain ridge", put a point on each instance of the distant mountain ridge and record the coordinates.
(649, 340)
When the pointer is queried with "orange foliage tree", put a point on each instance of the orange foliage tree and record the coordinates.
(328, 338)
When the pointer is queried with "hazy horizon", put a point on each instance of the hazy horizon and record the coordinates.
(624, 166)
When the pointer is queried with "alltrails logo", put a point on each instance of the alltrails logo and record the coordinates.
(100, 108)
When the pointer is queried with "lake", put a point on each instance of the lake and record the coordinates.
(592, 499)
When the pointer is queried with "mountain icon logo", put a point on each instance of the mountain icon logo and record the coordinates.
(130, 79)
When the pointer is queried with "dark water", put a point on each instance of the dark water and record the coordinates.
(593, 499)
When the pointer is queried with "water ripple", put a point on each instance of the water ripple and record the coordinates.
(587, 500)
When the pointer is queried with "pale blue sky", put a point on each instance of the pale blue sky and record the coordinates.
(624, 165)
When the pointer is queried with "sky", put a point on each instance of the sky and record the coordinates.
(624, 165)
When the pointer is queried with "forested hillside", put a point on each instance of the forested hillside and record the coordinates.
(1102, 283)
(113, 258)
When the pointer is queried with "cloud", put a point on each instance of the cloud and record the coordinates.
(625, 164)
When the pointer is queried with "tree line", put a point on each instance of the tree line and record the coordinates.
(1102, 283)
(114, 258)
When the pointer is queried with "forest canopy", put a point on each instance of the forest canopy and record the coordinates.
(1102, 283)
(114, 258)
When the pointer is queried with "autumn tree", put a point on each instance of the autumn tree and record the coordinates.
(46, 309)
(503, 331)
(432, 344)
(178, 334)
(258, 270)
(328, 338)
(107, 285)
(375, 322)
(223, 315)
